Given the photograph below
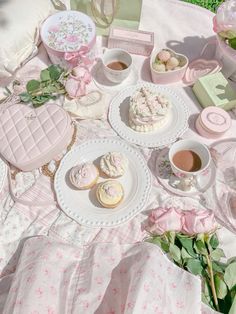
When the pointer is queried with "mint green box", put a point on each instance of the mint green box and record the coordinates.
(215, 90)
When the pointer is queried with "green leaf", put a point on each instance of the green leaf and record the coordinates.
(155, 240)
(185, 254)
(200, 247)
(165, 246)
(175, 253)
(194, 266)
(171, 236)
(45, 75)
(32, 86)
(231, 260)
(218, 267)
(233, 306)
(230, 275)
(221, 288)
(217, 254)
(188, 245)
(55, 72)
(232, 43)
(25, 97)
(214, 242)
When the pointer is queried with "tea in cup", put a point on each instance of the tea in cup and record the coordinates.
(117, 64)
(189, 159)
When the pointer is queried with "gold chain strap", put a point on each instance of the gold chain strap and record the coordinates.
(45, 169)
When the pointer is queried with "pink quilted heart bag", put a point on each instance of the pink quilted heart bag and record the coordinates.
(30, 138)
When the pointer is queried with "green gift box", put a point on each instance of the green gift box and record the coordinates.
(215, 90)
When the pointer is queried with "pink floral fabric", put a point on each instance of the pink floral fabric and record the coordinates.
(56, 278)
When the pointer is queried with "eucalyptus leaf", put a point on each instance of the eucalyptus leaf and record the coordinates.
(214, 242)
(221, 288)
(25, 97)
(194, 266)
(230, 275)
(175, 252)
(217, 254)
(32, 86)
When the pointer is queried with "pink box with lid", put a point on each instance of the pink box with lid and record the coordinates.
(213, 122)
(134, 41)
(69, 38)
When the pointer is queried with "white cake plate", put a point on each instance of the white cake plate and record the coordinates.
(83, 206)
(176, 126)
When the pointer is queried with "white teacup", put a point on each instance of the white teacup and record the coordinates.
(116, 55)
(189, 177)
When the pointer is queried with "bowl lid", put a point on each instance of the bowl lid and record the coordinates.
(200, 67)
(67, 31)
(215, 120)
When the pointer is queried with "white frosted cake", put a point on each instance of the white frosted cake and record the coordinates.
(148, 111)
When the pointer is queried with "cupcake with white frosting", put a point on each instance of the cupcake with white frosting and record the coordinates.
(110, 193)
(113, 164)
(84, 176)
(148, 111)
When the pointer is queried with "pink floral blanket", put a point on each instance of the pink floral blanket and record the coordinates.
(56, 278)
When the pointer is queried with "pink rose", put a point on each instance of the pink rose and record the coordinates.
(54, 29)
(75, 85)
(225, 18)
(198, 221)
(72, 38)
(164, 219)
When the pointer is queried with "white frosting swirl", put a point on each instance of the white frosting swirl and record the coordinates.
(83, 175)
(114, 164)
(148, 110)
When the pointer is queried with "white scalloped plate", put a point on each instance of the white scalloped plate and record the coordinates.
(176, 126)
(3, 173)
(82, 206)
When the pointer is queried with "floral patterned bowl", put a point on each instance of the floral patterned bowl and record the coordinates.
(69, 38)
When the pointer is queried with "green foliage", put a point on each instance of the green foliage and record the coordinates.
(201, 256)
(207, 4)
(48, 87)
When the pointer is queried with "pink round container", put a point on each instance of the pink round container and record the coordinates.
(213, 122)
(69, 38)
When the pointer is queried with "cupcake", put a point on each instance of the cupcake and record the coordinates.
(84, 176)
(110, 193)
(114, 164)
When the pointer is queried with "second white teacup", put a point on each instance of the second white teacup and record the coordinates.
(198, 148)
(117, 64)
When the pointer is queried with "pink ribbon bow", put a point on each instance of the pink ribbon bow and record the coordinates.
(76, 84)
(80, 56)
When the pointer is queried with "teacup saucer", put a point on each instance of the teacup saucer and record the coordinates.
(105, 85)
(167, 179)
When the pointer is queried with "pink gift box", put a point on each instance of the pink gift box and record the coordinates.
(133, 41)
(69, 38)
